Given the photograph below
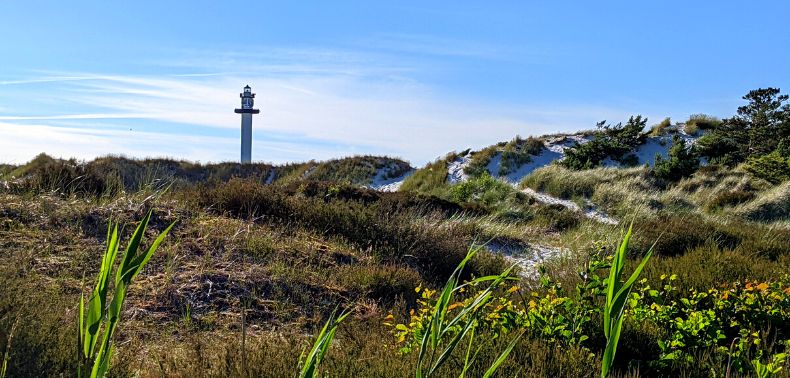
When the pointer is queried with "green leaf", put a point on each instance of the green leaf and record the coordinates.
(611, 347)
(503, 356)
(131, 249)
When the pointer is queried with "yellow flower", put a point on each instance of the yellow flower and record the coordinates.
(762, 286)
(417, 289)
(454, 305)
(512, 289)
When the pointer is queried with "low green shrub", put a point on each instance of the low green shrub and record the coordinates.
(609, 141)
(743, 322)
(774, 167)
(482, 189)
(740, 325)
(681, 162)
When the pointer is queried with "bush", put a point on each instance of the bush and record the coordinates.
(698, 122)
(681, 162)
(755, 131)
(483, 189)
(609, 141)
(659, 128)
(774, 167)
(719, 149)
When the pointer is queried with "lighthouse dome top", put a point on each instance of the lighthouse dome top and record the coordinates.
(247, 92)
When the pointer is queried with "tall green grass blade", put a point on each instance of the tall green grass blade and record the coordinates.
(622, 295)
(467, 360)
(140, 261)
(321, 346)
(613, 287)
(481, 298)
(616, 295)
(448, 351)
(131, 249)
(98, 299)
(611, 347)
(433, 330)
(503, 356)
(331, 335)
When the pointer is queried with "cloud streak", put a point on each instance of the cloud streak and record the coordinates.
(334, 104)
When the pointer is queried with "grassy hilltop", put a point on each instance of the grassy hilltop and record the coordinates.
(261, 256)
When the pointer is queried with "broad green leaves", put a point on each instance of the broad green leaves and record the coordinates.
(616, 294)
(97, 319)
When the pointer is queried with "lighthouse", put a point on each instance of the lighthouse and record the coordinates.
(246, 111)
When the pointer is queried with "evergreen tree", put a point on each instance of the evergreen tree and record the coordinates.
(755, 131)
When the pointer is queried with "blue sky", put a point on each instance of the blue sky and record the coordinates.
(407, 79)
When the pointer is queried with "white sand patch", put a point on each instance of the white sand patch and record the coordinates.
(659, 145)
(546, 157)
(529, 257)
(493, 165)
(590, 211)
(455, 170)
(554, 151)
(383, 184)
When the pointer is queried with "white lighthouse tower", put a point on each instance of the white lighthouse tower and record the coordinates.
(246, 111)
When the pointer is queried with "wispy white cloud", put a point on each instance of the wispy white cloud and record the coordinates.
(75, 116)
(46, 79)
(332, 104)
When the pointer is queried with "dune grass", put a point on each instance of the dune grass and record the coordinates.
(286, 255)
